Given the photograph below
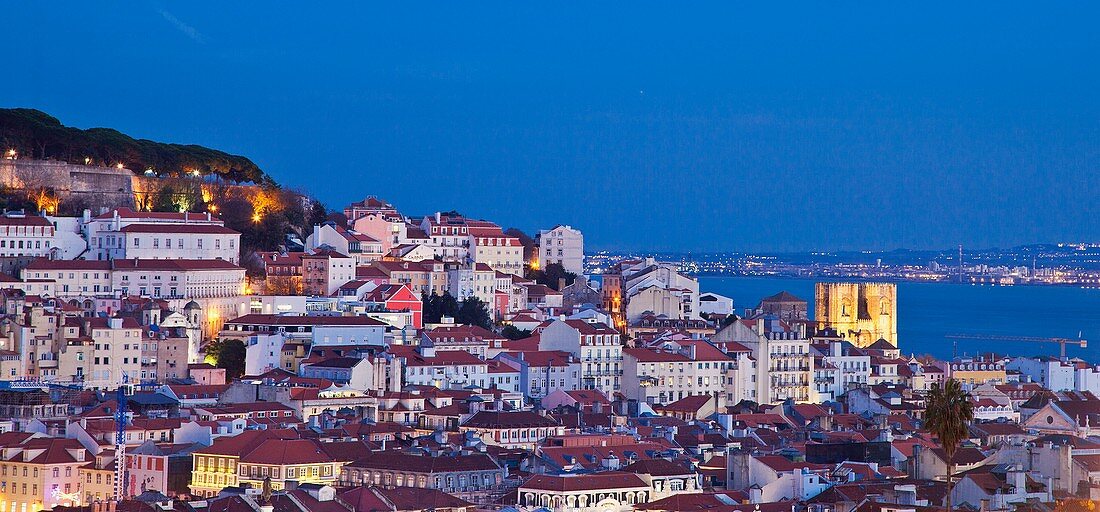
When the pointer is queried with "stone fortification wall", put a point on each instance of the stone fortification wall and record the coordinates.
(93, 186)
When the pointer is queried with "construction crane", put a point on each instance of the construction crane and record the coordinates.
(1062, 342)
(120, 441)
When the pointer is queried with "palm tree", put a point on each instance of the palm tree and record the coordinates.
(946, 415)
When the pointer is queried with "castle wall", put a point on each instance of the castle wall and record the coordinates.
(93, 186)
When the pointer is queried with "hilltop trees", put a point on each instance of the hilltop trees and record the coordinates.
(38, 135)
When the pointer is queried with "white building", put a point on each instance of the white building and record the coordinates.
(24, 235)
(1049, 371)
(674, 370)
(782, 352)
(714, 304)
(178, 279)
(319, 329)
(363, 247)
(69, 238)
(71, 279)
(667, 291)
(444, 369)
(543, 372)
(563, 245)
(263, 351)
(477, 280)
(107, 240)
(176, 241)
(598, 346)
(448, 237)
(842, 366)
(167, 279)
(491, 247)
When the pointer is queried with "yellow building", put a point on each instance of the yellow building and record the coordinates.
(215, 467)
(971, 372)
(97, 481)
(302, 460)
(39, 472)
(862, 313)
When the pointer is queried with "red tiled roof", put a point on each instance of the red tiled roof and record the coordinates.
(24, 220)
(130, 213)
(287, 452)
(508, 419)
(425, 463)
(200, 229)
(592, 482)
(688, 404)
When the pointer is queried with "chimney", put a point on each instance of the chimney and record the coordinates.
(1018, 479)
(755, 495)
(437, 217)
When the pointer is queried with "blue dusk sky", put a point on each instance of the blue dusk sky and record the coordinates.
(658, 126)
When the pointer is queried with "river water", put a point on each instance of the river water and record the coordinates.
(929, 311)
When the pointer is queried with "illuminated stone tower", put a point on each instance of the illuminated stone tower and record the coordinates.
(860, 312)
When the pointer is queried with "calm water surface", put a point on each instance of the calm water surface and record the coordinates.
(928, 311)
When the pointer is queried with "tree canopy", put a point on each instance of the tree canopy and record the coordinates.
(39, 135)
(229, 354)
(551, 276)
(471, 310)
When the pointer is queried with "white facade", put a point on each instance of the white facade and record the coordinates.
(178, 279)
(650, 274)
(676, 370)
(841, 367)
(364, 248)
(27, 235)
(107, 239)
(263, 352)
(476, 281)
(69, 240)
(373, 334)
(598, 347)
(175, 241)
(448, 237)
(784, 359)
(714, 304)
(563, 245)
(498, 252)
(1048, 371)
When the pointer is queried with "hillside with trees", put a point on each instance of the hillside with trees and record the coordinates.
(36, 134)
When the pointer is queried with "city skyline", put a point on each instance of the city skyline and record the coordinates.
(721, 128)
